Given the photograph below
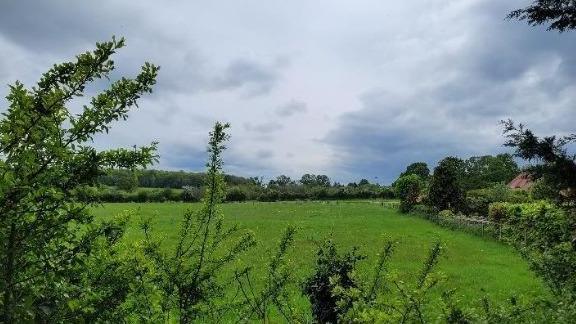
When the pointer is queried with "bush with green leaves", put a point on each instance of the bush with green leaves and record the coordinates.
(127, 181)
(48, 237)
(479, 200)
(446, 214)
(235, 194)
(408, 188)
(338, 294)
(543, 233)
(544, 190)
(331, 270)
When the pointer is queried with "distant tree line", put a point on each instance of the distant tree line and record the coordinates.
(121, 185)
(145, 186)
(129, 180)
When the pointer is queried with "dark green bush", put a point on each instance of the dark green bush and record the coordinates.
(142, 196)
(478, 202)
(498, 212)
(543, 190)
(331, 270)
(269, 195)
(408, 189)
(235, 194)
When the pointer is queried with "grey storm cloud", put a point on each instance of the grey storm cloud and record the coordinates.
(291, 108)
(63, 28)
(255, 78)
(264, 154)
(522, 74)
(378, 93)
(56, 26)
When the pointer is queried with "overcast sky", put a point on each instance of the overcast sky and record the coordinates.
(351, 89)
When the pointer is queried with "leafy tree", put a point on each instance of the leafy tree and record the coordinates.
(560, 14)
(419, 168)
(322, 180)
(315, 180)
(363, 182)
(47, 236)
(164, 179)
(281, 181)
(256, 181)
(128, 181)
(556, 165)
(308, 179)
(408, 188)
(446, 190)
(485, 171)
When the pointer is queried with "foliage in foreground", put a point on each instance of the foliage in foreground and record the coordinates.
(188, 276)
(559, 14)
(48, 240)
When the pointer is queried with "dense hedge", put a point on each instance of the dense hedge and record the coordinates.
(544, 234)
(236, 193)
(542, 231)
(477, 201)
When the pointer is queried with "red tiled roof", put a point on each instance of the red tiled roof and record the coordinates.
(522, 181)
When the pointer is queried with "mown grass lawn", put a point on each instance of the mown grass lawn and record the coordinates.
(472, 265)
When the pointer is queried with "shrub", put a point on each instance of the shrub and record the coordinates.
(170, 194)
(497, 212)
(127, 181)
(269, 195)
(86, 194)
(142, 196)
(542, 189)
(331, 270)
(48, 237)
(519, 196)
(235, 194)
(478, 201)
(408, 189)
(543, 233)
(191, 194)
(446, 214)
(187, 277)
(387, 193)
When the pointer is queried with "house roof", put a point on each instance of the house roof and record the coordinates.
(522, 181)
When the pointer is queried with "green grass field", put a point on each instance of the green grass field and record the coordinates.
(469, 263)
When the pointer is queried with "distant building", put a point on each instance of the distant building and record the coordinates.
(522, 181)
